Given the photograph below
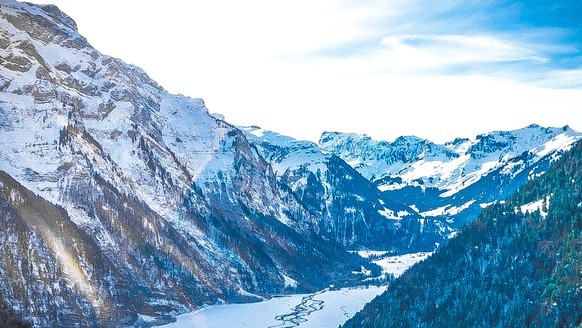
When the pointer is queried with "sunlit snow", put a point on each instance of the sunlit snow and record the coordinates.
(540, 205)
(396, 265)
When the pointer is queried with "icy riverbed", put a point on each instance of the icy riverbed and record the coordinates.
(328, 308)
(322, 309)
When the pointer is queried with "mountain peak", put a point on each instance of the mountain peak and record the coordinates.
(36, 18)
(407, 140)
(533, 126)
(59, 16)
(328, 136)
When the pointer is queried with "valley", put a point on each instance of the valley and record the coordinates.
(323, 309)
(122, 204)
(327, 308)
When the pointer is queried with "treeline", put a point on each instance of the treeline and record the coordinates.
(509, 268)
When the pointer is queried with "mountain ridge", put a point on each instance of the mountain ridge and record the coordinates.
(351, 210)
(432, 176)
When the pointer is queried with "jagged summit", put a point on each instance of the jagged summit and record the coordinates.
(379, 160)
(44, 22)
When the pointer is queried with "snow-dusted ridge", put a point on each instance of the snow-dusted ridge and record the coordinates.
(450, 167)
(440, 178)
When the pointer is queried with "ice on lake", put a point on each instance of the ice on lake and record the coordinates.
(329, 308)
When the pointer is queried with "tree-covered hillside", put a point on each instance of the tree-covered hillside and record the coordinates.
(518, 265)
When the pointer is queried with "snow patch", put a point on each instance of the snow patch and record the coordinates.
(363, 271)
(289, 282)
(485, 205)
(145, 318)
(243, 292)
(389, 214)
(448, 210)
(538, 205)
(397, 265)
(368, 254)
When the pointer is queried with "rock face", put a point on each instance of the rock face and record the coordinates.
(453, 181)
(350, 209)
(120, 199)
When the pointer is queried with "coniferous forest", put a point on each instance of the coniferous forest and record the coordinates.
(515, 266)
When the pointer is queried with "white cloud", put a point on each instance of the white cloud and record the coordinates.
(384, 68)
(438, 50)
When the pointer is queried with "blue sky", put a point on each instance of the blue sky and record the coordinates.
(435, 69)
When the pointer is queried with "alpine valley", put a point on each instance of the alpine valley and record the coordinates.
(119, 200)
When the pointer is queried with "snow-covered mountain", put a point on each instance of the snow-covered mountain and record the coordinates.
(118, 198)
(350, 209)
(456, 179)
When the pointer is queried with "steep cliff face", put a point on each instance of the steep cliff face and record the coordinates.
(349, 208)
(453, 181)
(141, 201)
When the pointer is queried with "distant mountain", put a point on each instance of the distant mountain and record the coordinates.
(453, 181)
(518, 265)
(120, 199)
(350, 210)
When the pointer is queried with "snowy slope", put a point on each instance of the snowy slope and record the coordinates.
(175, 208)
(455, 178)
(349, 208)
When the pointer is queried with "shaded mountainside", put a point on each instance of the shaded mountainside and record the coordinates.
(9, 319)
(452, 181)
(121, 199)
(518, 265)
(41, 248)
(350, 209)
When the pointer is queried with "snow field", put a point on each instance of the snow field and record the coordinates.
(328, 308)
(300, 310)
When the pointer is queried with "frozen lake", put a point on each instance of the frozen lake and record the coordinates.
(328, 308)
(323, 309)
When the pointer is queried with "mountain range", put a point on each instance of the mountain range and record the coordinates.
(351, 209)
(455, 180)
(119, 199)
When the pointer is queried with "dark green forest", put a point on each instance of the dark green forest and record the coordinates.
(509, 268)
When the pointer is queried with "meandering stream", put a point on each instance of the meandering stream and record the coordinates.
(299, 313)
